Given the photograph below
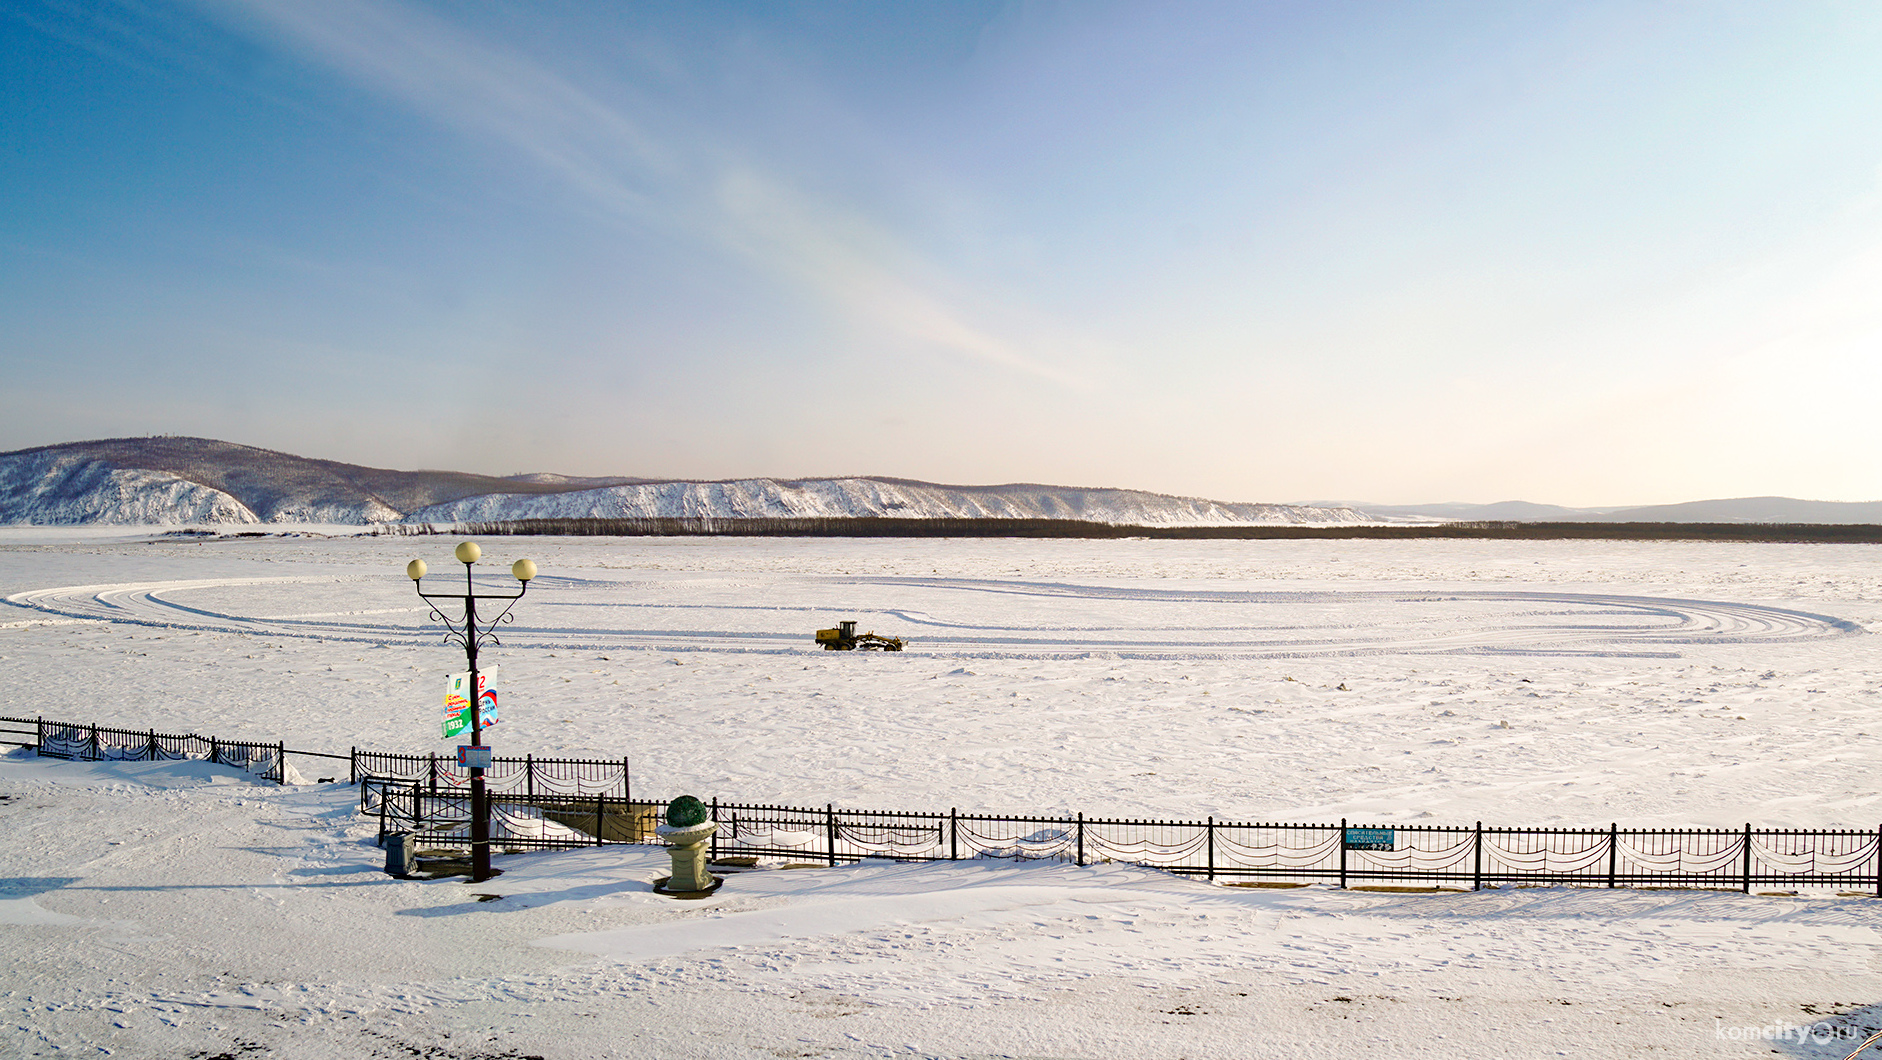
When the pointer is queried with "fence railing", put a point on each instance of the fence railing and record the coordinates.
(548, 804)
(529, 775)
(1350, 855)
(519, 822)
(94, 743)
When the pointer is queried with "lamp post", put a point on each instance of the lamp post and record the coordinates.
(471, 634)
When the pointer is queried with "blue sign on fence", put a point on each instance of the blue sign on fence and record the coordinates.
(1370, 839)
(470, 757)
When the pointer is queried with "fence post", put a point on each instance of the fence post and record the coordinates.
(1342, 853)
(1747, 869)
(39, 748)
(431, 769)
(352, 765)
(1614, 848)
(1476, 872)
(829, 822)
(1081, 839)
(954, 847)
(281, 763)
(418, 809)
(215, 751)
(529, 775)
(150, 748)
(713, 852)
(94, 743)
(1211, 830)
(627, 795)
(382, 814)
(599, 807)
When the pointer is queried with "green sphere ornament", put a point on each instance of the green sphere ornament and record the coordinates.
(685, 812)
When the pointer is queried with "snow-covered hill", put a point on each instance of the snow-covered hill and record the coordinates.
(765, 498)
(134, 481)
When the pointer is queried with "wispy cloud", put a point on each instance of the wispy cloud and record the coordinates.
(497, 95)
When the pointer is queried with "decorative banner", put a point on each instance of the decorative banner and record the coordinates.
(457, 713)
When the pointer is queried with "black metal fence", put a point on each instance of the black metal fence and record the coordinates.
(96, 743)
(529, 776)
(1346, 854)
(549, 804)
(519, 822)
(1233, 852)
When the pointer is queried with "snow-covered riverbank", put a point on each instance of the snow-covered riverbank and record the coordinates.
(170, 910)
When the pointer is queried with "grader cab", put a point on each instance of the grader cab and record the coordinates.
(845, 638)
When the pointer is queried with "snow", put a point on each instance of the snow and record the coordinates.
(49, 487)
(170, 909)
(849, 497)
(201, 481)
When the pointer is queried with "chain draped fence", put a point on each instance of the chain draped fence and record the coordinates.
(552, 804)
(96, 743)
(1347, 854)
(528, 775)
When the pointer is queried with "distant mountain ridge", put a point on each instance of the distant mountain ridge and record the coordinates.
(1732, 510)
(168, 481)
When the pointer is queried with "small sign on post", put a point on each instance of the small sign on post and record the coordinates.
(1371, 839)
(473, 757)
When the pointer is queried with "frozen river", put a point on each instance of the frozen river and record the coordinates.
(1514, 682)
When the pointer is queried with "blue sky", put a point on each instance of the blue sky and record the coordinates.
(1584, 253)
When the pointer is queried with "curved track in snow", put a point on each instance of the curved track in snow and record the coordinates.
(963, 617)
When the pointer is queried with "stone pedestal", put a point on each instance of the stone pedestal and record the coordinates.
(687, 847)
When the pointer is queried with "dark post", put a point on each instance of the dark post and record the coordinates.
(281, 763)
(150, 748)
(1747, 869)
(480, 810)
(352, 765)
(1211, 827)
(431, 769)
(215, 751)
(382, 814)
(1342, 853)
(1081, 839)
(471, 637)
(39, 747)
(599, 806)
(94, 741)
(954, 846)
(529, 775)
(1476, 872)
(829, 821)
(1614, 847)
(714, 852)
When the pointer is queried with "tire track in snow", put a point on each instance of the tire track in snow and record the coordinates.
(1275, 624)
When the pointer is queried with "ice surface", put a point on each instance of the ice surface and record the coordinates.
(177, 909)
(1511, 682)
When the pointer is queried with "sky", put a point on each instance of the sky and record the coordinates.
(1582, 253)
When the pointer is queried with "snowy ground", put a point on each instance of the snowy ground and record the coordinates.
(1641, 683)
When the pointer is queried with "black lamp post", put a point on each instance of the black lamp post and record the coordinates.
(471, 634)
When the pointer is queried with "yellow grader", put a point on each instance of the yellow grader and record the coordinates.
(845, 638)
